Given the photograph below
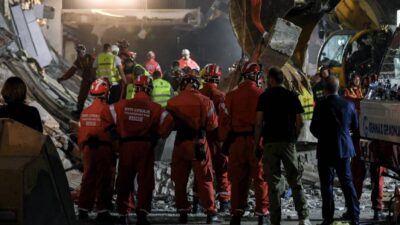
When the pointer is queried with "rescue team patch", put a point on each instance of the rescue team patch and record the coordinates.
(90, 120)
(136, 114)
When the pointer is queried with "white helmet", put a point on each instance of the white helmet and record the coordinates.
(115, 49)
(185, 52)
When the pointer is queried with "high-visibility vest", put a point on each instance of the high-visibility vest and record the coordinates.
(130, 88)
(106, 67)
(146, 73)
(307, 101)
(161, 91)
(130, 91)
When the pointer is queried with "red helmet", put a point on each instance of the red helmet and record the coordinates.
(212, 70)
(212, 73)
(251, 70)
(99, 88)
(144, 83)
(190, 79)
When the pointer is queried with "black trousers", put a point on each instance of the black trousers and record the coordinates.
(326, 170)
(115, 93)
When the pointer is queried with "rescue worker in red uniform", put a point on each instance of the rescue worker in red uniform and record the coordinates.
(124, 52)
(194, 115)
(139, 123)
(152, 65)
(84, 64)
(212, 76)
(186, 61)
(95, 143)
(354, 93)
(237, 120)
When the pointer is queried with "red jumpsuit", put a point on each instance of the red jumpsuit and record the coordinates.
(219, 160)
(191, 109)
(85, 65)
(138, 123)
(188, 63)
(358, 166)
(152, 65)
(97, 163)
(237, 121)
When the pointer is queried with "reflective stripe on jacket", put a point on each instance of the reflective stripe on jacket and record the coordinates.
(307, 101)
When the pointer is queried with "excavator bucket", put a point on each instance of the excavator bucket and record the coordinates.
(245, 20)
(249, 18)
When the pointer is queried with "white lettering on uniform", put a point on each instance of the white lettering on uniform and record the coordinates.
(90, 120)
(136, 114)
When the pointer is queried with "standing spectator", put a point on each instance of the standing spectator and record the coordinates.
(14, 94)
(354, 93)
(279, 118)
(335, 149)
(318, 88)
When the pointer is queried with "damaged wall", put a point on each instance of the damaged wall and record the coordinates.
(53, 30)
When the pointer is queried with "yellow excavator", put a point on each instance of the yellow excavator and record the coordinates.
(365, 42)
(357, 20)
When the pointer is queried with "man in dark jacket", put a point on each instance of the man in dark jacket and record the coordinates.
(84, 64)
(333, 122)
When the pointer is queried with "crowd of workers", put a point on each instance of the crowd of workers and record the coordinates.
(236, 139)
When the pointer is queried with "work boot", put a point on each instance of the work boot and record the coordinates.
(263, 220)
(183, 218)
(235, 220)
(224, 207)
(195, 205)
(213, 219)
(106, 218)
(83, 215)
(142, 218)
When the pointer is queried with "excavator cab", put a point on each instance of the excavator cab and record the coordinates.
(349, 52)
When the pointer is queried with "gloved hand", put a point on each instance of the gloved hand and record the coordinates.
(200, 152)
(93, 142)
